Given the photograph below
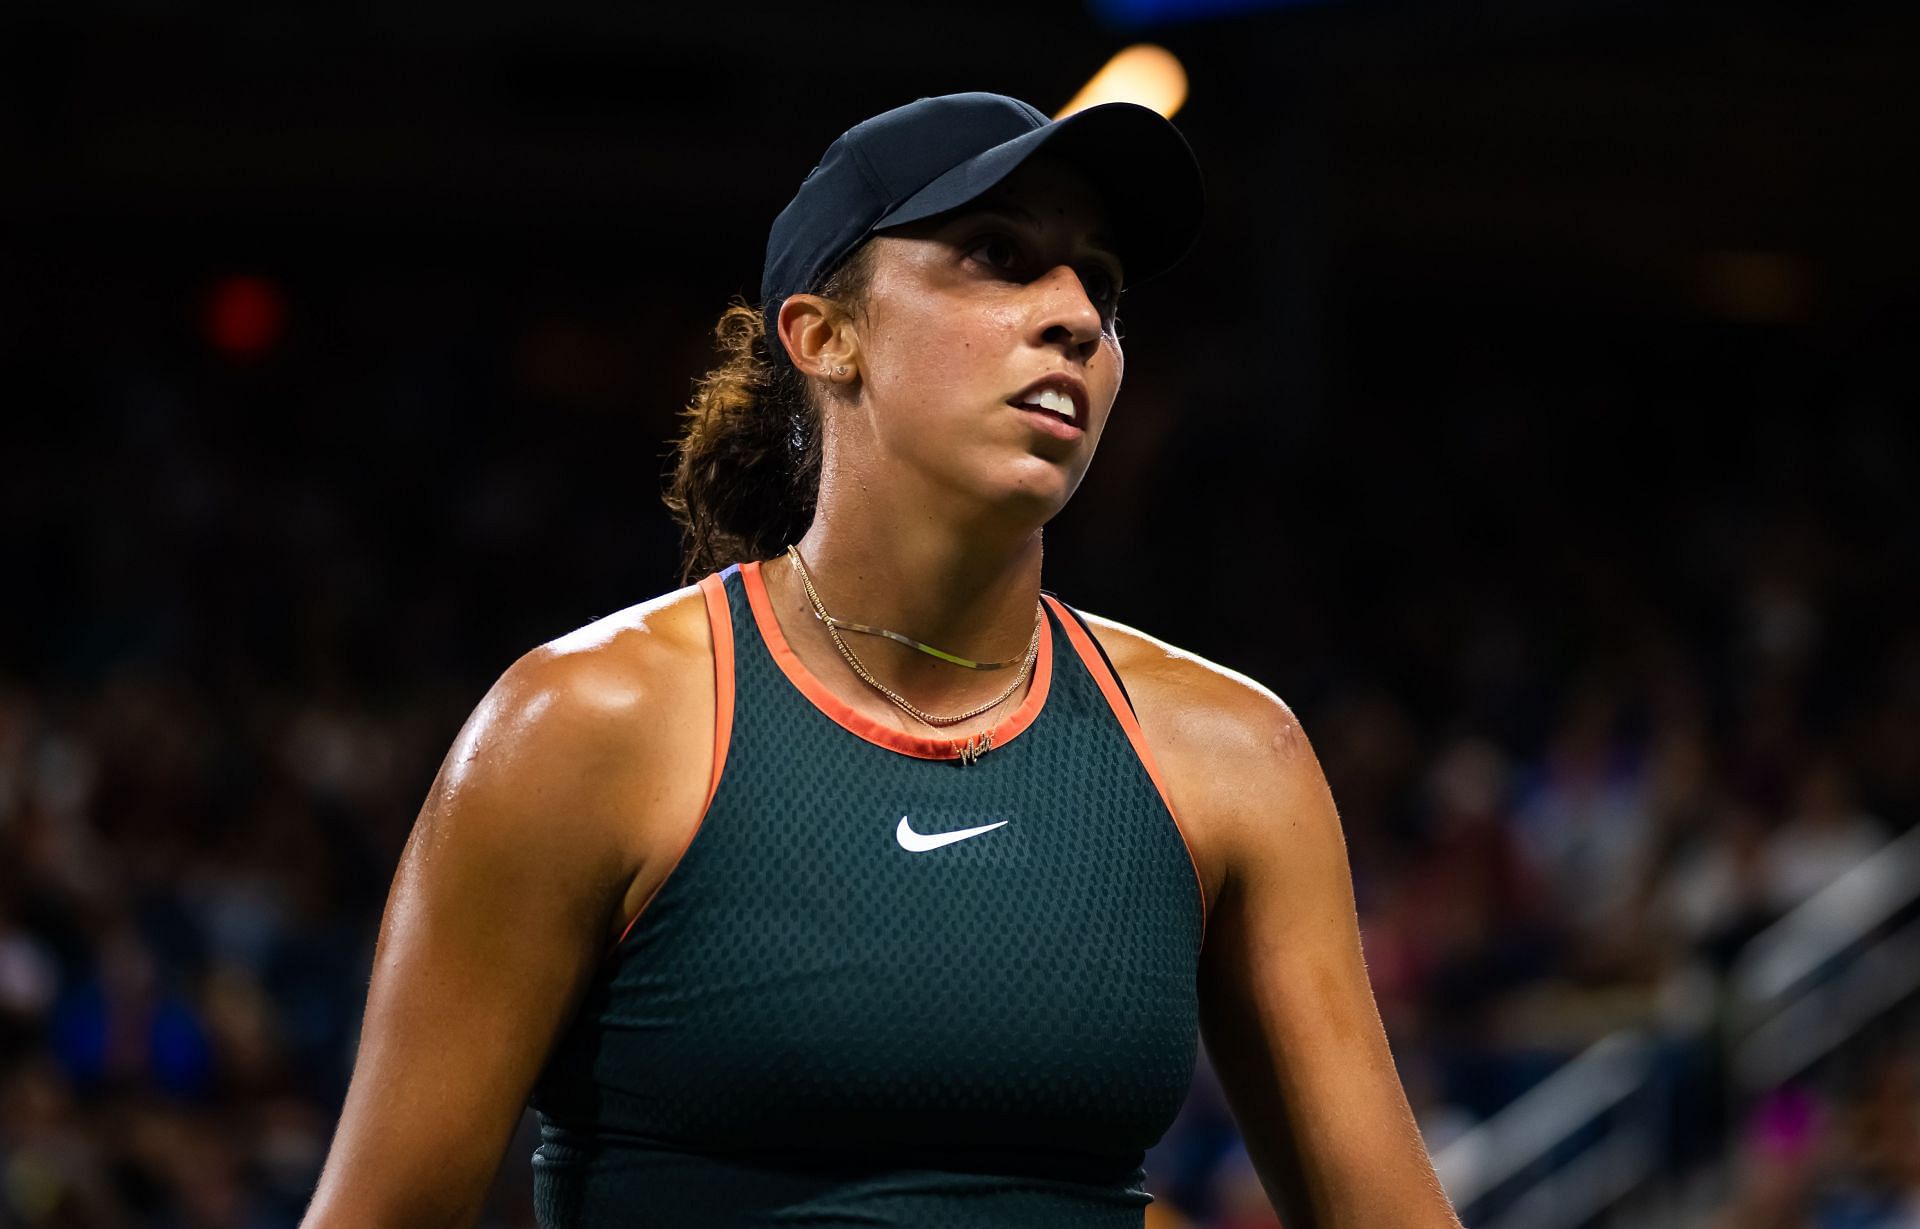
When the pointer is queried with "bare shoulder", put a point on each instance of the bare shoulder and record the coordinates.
(1239, 770)
(617, 667)
(1197, 703)
(592, 743)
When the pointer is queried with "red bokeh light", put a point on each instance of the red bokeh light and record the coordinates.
(245, 316)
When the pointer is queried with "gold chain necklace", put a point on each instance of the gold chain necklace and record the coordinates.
(974, 747)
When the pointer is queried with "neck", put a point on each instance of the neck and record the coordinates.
(934, 587)
(968, 587)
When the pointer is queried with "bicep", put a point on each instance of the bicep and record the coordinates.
(494, 923)
(1289, 1016)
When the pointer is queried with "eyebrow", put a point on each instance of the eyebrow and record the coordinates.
(1100, 241)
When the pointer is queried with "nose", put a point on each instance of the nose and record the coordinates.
(1066, 316)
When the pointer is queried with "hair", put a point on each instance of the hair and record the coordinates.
(746, 470)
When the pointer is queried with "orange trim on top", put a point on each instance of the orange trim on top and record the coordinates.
(720, 622)
(919, 746)
(1117, 701)
(720, 619)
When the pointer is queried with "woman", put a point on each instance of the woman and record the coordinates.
(777, 928)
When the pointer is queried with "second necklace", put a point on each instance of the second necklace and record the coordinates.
(901, 702)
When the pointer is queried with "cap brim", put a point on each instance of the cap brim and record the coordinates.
(1133, 157)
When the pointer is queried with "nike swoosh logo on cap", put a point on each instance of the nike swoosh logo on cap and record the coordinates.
(915, 842)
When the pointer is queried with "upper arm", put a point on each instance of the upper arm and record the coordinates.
(512, 879)
(1286, 1008)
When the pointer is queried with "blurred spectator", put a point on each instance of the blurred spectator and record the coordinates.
(1777, 1166)
(1586, 820)
(1851, 1165)
(1824, 836)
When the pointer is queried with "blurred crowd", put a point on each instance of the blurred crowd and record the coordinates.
(1580, 766)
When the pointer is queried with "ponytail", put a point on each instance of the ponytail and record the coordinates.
(747, 464)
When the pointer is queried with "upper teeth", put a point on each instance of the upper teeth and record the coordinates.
(1053, 399)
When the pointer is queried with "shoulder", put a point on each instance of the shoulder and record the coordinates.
(614, 669)
(1197, 704)
(1238, 767)
(577, 730)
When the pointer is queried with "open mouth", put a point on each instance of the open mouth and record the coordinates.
(1051, 401)
(1060, 398)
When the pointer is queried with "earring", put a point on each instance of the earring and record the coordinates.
(840, 371)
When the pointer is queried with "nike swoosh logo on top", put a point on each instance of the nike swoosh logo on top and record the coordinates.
(914, 842)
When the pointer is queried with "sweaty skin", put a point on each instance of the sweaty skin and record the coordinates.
(581, 776)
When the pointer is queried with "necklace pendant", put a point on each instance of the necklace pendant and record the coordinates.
(975, 747)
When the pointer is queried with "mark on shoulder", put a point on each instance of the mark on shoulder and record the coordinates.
(1192, 701)
(1242, 776)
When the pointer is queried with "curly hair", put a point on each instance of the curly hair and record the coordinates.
(746, 469)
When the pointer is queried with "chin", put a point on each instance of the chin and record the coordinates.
(1026, 489)
(1039, 491)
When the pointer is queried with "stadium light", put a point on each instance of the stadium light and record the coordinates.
(1143, 73)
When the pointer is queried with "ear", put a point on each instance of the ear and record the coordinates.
(819, 337)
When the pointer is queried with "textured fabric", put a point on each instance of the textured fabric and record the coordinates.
(810, 1025)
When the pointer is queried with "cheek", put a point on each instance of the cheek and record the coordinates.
(1104, 374)
(1112, 361)
(929, 354)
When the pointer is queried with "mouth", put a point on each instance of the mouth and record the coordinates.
(1061, 398)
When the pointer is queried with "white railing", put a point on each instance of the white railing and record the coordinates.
(1527, 1132)
(1783, 1015)
(1793, 1000)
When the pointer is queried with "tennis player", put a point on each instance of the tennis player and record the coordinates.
(862, 882)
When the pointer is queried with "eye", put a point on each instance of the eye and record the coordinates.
(997, 251)
(1102, 286)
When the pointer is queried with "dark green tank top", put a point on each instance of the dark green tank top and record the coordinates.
(883, 987)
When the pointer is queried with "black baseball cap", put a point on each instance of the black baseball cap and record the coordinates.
(937, 154)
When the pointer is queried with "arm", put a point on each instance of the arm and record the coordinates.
(507, 894)
(1286, 1009)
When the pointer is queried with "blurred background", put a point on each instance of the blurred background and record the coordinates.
(1535, 415)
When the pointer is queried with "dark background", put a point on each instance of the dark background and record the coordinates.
(1533, 414)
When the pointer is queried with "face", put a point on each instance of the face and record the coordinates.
(987, 352)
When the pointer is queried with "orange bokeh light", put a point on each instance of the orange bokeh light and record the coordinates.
(1143, 73)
